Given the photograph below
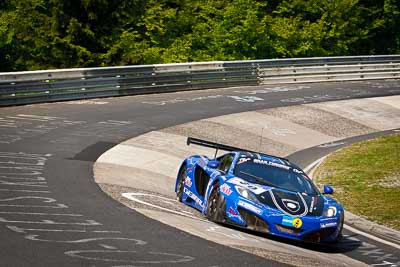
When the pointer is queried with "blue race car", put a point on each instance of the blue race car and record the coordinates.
(259, 192)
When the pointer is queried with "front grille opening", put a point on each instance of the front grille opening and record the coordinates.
(319, 235)
(289, 230)
(254, 222)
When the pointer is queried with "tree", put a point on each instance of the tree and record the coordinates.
(43, 34)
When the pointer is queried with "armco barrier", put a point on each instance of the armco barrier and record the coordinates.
(71, 84)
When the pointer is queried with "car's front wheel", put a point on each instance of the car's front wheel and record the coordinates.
(181, 182)
(341, 223)
(215, 205)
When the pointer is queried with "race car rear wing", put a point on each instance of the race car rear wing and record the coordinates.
(217, 146)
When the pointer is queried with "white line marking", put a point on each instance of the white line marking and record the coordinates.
(32, 167)
(33, 173)
(123, 122)
(28, 179)
(40, 213)
(26, 155)
(312, 167)
(40, 117)
(107, 246)
(37, 161)
(313, 164)
(58, 206)
(130, 196)
(26, 119)
(180, 258)
(99, 231)
(26, 191)
(233, 235)
(32, 184)
(45, 199)
(34, 238)
(86, 223)
(23, 230)
(331, 144)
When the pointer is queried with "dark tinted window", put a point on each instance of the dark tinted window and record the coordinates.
(226, 162)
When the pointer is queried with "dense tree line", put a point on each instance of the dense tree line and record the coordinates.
(44, 34)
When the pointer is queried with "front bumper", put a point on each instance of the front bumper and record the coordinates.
(308, 228)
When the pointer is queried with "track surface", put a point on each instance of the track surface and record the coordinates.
(53, 214)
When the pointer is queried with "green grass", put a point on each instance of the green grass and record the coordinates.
(366, 179)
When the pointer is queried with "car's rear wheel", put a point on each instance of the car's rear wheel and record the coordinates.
(181, 182)
(215, 205)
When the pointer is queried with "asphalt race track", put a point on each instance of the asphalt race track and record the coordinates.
(52, 213)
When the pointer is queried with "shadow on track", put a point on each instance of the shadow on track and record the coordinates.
(345, 244)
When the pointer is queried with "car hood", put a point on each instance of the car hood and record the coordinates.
(288, 202)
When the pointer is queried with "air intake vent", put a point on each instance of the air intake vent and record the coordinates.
(254, 222)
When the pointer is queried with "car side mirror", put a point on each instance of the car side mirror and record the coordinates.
(213, 164)
(328, 190)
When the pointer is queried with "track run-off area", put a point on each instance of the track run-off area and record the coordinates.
(53, 211)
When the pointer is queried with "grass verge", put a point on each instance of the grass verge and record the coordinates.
(366, 179)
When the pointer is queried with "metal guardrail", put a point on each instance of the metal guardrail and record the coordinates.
(29, 87)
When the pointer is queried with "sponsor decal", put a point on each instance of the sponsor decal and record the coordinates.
(238, 181)
(232, 212)
(247, 155)
(270, 163)
(188, 181)
(327, 219)
(292, 222)
(243, 160)
(202, 162)
(328, 224)
(252, 187)
(193, 196)
(287, 221)
(190, 169)
(258, 190)
(192, 161)
(313, 205)
(297, 223)
(297, 171)
(250, 207)
(226, 189)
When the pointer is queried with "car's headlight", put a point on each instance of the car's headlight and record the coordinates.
(246, 193)
(330, 211)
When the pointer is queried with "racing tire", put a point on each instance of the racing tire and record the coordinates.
(181, 183)
(215, 205)
(341, 223)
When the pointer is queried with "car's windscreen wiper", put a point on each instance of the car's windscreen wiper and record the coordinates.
(258, 179)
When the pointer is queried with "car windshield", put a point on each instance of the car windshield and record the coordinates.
(275, 175)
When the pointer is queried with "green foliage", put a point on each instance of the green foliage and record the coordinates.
(42, 34)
